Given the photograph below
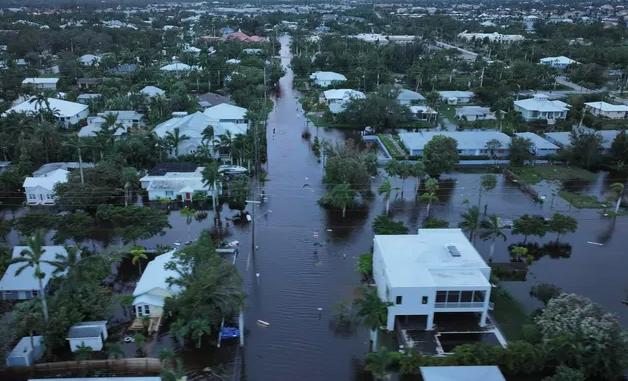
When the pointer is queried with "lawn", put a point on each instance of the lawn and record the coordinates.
(447, 111)
(391, 147)
(582, 201)
(509, 314)
(320, 121)
(533, 175)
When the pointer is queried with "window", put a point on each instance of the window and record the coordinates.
(146, 310)
(31, 196)
(424, 300)
(441, 296)
(398, 300)
(49, 196)
(453, 296)
(466, 296)
(169, 193)
(479, 296)
(34, 293)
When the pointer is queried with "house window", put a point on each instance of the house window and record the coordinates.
(31, 196)
(398, 300)
(49, 196)
(146, 310)
(441, 296)
(479, 296)
(34, 293)
(169, 193)
(424, 300)
(466, 296)
(453, 296)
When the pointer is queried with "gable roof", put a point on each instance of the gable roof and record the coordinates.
(538, 141)
(63, 107)
(327, 76)
(48, 180)
(40, 81)
(152, 91)
(87, 329)
(344, 94)
(155, 276)
(192, 125)
(26, 281)
(225, 111)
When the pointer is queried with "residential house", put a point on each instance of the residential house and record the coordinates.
(153, 288)
(408, 97)
(88, 84)
(470, 143)
(182, 183)
(26, 285)
(27, 351)
(125, 120)
(459, 373)
(337, 99)
(563, 138)
(41, 83)
(92, 334)
(67, 113)
(40, 190)
(152, 91)
(124, 69)
(541, 146)
(88, 98)
(607, 110)
(327, 78)
(492, 37)
(560, 62)
(252, 51)
(67, 165)
(226, 117)
(540, 107)
(243, 37)
(89, 60)
(178, 67)
(212, 99)
(474, 113)
(455, 97)
(423, 112)
(437, 271)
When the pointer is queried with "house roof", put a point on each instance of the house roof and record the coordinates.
(89, 59)
(191, 125)
(87, 329)
(538, 141)
(561, 60)
(456, 94)
(64, 108)
(327, 76)
(603, 106)
(40, 81)
(155, 276)
(177, 66)
(472, 111)
(24, 346)
(26, 281)
(180, 166)
(423, 109)
(563, 138)
(48, 180)
(406, 94)
(122, 115)
(424, 260)
(178, 182)
(225, 111)
(457, 373)
(49, 167)
(467, 140)
(541, 103)
(344, 94)
(152, 91)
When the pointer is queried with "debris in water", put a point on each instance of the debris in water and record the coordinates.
(263, 323)
(595, 243)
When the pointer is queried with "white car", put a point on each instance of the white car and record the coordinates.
(232, 169)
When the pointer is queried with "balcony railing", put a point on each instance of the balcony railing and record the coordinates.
(459, 305)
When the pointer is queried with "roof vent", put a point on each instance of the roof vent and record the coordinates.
(453, 251)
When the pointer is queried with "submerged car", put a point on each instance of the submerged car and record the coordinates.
(232, 169)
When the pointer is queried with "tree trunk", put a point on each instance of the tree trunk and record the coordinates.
(139, 266)
(387, 205)
(344, 211)
(490, 255)
(374, 339)
(80, 157)
(429, 207)
(44, 304)
(618, 204)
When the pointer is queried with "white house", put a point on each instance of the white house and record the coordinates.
(460, 373)
(152, 289)
(560, 62)
(27, 351)
(492, 37)
(453, 97)
(408, 97)
(541, 146)
(91, 334)
(607, 110)
(177, 67)
(423, 112)
(473, 113)
(434, 271)
(470, 143)
(124, 121)
(174, 185)
(41, 83)
(89, 60)
(563, 138)
(337, 99)
(40, 190)
(25, 285)
(226, 117)
(327, 78)
(152, 91)
(540, 107)
(66, 112)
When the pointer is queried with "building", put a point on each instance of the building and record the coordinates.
(182, 184)
(327, 78)
(27, 351)
(607, 110)
(88, 83)
(26, 285)
(41, 83)
(67, 113)
(408, 97)
(540, 107)
(563, 138)
(40, 190)
(177, 67)
(152, 289)
(89, 60)
(67, 165)
(87, 98)
(152, 91)
(192, 126)
(474, 113)
(459, 373)
(455, 97)
(125, 120)
(560, 62)
(470, 143)
(91, 334)
(227, 117)
(337, 99)
(124, 69)
(491, 37)
(434, 271)
(542, 147)
(243, 37)
(423, 112)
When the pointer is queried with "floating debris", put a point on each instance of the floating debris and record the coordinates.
(263, 323)
(595, 243)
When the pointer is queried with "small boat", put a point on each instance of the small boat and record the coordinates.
(263, 323)
(229, 333)
(232, 169)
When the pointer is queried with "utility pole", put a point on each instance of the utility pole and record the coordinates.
(253, 203)
(482, 77)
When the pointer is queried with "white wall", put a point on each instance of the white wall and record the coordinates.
(39, 196)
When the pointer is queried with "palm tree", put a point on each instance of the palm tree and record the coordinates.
(385, 189)
(32, 257)
(75, 142)
(62, 263)
(198, 329)
(487, 183)
(166, 355)
(372, 310)
(211, 177)
(618, 189)
(137, 255)
(114, 351)
(340, 196)
(418, 170)
(470, 221)
(490, 228)
(173, 139)
(224, 143)
(431, 186)
(377, 363)
(41, 99)
(208, 134)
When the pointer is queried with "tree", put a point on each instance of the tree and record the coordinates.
(139, 340)
(138, 254)
(385, 190)
(430, 195)
(527, 225)
(345, 164)
(379, 110)
(619, 151)
(401, 169)
(564, 373)
(493, 146)
(418, 171)
(199, 328)
(378, 363)
(618, 189)
(470, 221)
(83, 352)
(64, 263)
(340, 196)
(561, 224)
(372, 310)
(440, 155)
(174, 139)
(487, 183)
(365, 265)
(382, 225)
(31, 257)
(545, 292)
(585, 149)
(521, 151)
(114, 350)
(212, 178)
(518, 253)
(491, 229)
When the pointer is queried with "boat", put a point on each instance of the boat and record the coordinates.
(229, 333)
(232, 169)
(263, 323)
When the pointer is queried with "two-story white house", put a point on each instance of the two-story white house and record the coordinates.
(327, 78)
(40, 190)
(540, 107)
(434, 271)
(172, 185)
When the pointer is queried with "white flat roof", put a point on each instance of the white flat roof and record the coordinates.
(459, 373)
(424, 260)
(539, 142)
(39, 80)
(467, 140)
(603, 106)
